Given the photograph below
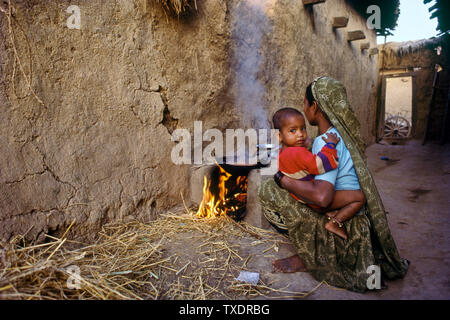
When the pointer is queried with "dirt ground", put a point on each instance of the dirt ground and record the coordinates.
(201, 258)
(413, 184)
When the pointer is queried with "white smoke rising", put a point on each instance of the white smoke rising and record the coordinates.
(250, 24)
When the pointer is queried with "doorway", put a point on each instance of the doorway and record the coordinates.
(397, 114)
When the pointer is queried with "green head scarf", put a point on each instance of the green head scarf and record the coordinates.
(331, 97)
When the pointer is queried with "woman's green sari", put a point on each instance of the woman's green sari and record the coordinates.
(342, 263)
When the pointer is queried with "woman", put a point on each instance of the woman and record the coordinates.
(342, 263)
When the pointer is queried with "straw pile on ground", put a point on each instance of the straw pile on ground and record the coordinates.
(177, 256)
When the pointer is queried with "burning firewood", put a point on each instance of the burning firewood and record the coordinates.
(226, 197)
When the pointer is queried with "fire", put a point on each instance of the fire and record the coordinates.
(230, 198)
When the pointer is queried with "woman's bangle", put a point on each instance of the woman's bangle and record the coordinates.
(332, 144)
(277, 177)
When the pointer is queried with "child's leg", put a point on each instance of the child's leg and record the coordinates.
(349, 202)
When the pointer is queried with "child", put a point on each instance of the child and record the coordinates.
(297, 162)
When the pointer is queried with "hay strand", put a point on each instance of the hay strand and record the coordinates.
(178, 7)
(28, 79)
(136, 261)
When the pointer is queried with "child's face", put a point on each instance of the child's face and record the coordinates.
(293, 132)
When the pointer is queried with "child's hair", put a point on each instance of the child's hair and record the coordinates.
(282, 114)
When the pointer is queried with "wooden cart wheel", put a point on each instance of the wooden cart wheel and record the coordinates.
(397, 127)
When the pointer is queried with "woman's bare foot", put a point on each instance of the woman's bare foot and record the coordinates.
(289, 265)
(334, 228)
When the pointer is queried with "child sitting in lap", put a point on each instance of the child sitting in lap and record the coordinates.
(297, 162)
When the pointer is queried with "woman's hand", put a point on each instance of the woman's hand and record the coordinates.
(331, 137)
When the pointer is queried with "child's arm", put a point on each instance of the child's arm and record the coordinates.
(325, 160)
(328, 154)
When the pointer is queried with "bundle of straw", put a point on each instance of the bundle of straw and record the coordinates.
(117, 266)
(178, 6)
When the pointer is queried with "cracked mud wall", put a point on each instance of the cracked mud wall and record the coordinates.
(99, 148)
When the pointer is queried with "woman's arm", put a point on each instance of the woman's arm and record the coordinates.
(317, 192)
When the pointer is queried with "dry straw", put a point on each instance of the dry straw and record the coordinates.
(178, 7)
(176, 256)
(17, 60)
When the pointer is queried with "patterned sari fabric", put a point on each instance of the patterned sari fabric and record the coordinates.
(342, 263)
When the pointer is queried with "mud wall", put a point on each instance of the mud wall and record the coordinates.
(97, 148)
(304, 45)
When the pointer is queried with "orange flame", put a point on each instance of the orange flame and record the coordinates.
(212, 206)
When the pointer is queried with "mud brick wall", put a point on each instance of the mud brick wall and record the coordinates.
(98, 148)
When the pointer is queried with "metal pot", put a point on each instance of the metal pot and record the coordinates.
(264, 154)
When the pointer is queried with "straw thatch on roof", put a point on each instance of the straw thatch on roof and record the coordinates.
(404, 48)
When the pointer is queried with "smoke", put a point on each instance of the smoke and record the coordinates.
(250, 24)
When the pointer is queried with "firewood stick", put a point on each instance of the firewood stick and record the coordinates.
(257, 236)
